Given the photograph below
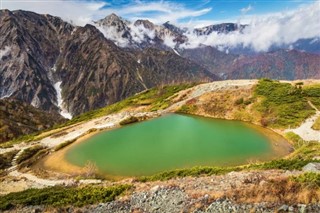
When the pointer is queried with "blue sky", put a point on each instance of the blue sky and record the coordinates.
(218, 9)
(269, 21)
(192, 12)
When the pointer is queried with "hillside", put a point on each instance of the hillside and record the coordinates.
(43, 51)
(18, 119)
(56, 66)
(266, 186)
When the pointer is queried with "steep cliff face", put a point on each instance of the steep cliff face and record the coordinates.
(95, 72)
(215, 61)
(94, 66)
(30, 45)
(37, 51)
(170, 68)
(18, 118)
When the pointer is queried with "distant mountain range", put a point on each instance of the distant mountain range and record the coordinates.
(55, 66)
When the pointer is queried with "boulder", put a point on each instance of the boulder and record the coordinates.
(312, 167)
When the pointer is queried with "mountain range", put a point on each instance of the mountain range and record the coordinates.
(58, 67)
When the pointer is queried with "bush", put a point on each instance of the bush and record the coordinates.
(61, 196)
(295, 139)
(284, 164)
(196, 171)
(316, 125)
(282, 105)
(6, 159)
(239, 101)
(309, 178)
(28, 153)
(64, 144)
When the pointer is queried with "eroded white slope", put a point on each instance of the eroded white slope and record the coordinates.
(63, 111)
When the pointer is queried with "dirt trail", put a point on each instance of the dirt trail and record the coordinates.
(305, 130)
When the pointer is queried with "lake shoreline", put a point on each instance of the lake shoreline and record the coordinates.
(57, 162)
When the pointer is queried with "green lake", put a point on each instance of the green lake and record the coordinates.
(172, 142)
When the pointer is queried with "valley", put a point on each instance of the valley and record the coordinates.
(182, 108)
(46, 167)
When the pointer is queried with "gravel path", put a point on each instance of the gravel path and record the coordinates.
(305, 130)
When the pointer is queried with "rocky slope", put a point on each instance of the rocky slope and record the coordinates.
(111, 74)
(280, 64)
(18, 118)
(38, 51)
(32, 43)
(101, 64)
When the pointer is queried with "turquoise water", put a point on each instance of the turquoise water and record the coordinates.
(171, 142)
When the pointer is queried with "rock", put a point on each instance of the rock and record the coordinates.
(290, 209)
(90, 181)
(155, 188)
(283, 208)
(312, 167)
(302, 208)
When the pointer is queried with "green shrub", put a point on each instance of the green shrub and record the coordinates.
(284, 164)
(309, 178)
(239, 101)
(64, 144)
(316, 125)
(28, 153)
(196, 171)
(6, 159)
(157, 98)
(282, 105)
(61, 196)
(295, 139)
(188, 109)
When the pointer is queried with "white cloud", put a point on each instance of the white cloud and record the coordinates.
(246, 9)
(159, 12)
(79, 12)
(82, 12)
(264, 31)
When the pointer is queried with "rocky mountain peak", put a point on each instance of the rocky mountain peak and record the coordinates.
(224, 28)
(113, 20)
(145, 23)
(173, 28)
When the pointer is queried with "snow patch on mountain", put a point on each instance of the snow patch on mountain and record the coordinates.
(63, 111)
(260, 34)
(5, 52)
(176, 52)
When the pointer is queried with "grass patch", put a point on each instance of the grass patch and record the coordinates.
(155, 99)
(61, 196)
(309, 178)
(283, 164)
(308, 151)
(64, 144)
(316, 125)
(283, 105)
(194, 172)
(313, 94)
(6, 159)
(295, 139)
(187, 109)
(28, 153)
